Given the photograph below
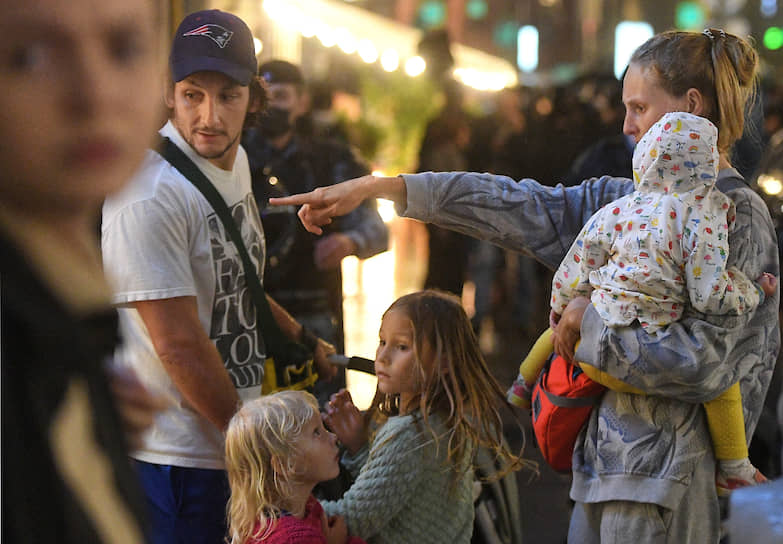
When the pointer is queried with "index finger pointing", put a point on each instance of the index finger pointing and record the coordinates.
(293, 200)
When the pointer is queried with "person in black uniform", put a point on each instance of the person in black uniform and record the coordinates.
(302, 271)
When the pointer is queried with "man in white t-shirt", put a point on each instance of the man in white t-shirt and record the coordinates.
(189, 320)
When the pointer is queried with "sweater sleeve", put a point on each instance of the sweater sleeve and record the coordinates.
(524, 216)
(354, 463)
(395, 466)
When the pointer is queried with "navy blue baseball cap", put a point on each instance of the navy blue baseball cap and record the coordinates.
(215, 41)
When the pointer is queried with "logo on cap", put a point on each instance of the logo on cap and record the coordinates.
(216, 33)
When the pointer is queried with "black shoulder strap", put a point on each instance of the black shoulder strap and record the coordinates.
(273, 338)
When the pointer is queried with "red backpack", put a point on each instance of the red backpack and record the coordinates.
(563, 397)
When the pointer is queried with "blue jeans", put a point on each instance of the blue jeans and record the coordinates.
(185, 505)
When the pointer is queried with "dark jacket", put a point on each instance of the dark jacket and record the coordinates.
(45, 349)
(301, 166)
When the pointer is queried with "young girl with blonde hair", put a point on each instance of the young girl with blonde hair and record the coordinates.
(414, 477)
(277, 450)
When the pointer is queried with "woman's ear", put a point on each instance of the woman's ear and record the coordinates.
(695, 101)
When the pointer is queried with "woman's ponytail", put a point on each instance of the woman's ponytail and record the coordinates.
(721, 66)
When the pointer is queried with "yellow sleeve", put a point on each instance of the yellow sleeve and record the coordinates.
(536, 358)
(727, 424)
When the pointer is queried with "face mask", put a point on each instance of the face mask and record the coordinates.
(275, 122)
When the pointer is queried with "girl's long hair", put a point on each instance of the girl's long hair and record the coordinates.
(260, 460)
(456, 382)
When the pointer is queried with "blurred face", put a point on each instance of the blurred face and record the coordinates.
(209, 112)
(289, 97)
(318, 453)
(79, 102)
(395, 361)
(645, 102)
(286, 103)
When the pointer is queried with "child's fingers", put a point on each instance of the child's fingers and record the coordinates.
(324, 522)
(337, 397)
(339, 401)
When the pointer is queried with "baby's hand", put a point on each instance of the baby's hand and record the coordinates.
(334, 529)
(346, 421)
(554, 319)
(768, 283)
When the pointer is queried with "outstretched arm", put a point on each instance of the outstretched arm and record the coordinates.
(523, 215)
(322, 204)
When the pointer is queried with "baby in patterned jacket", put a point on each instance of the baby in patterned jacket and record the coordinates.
(647, 255)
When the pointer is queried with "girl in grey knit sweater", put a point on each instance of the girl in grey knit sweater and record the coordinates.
(438, 403)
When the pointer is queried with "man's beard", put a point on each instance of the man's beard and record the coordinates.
(217, 154)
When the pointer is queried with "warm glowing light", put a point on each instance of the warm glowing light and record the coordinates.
(484, 81)
(283, 13)
(390, 60)
(367, 51)
(326, 35)
(367, 41)
(770, 184)
(308, 27)
(257, 45)
(273, 7)
(372, 286)
(415, 66)
(386, 210)
(345, 40)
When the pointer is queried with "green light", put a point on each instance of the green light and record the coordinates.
(773, 38)
(432, 13)
(689, 16)
(505, 34)
(476, 9)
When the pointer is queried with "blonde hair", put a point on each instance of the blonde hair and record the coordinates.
(456, 382)
(721, 66)
(261, 452)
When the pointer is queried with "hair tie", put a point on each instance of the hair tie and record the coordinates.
(708, 32)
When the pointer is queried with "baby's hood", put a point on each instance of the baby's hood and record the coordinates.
(678, 154)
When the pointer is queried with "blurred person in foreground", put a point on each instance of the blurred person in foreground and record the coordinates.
(643, 468)
(80, 81)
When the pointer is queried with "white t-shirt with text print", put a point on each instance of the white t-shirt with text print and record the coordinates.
(162, 239)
